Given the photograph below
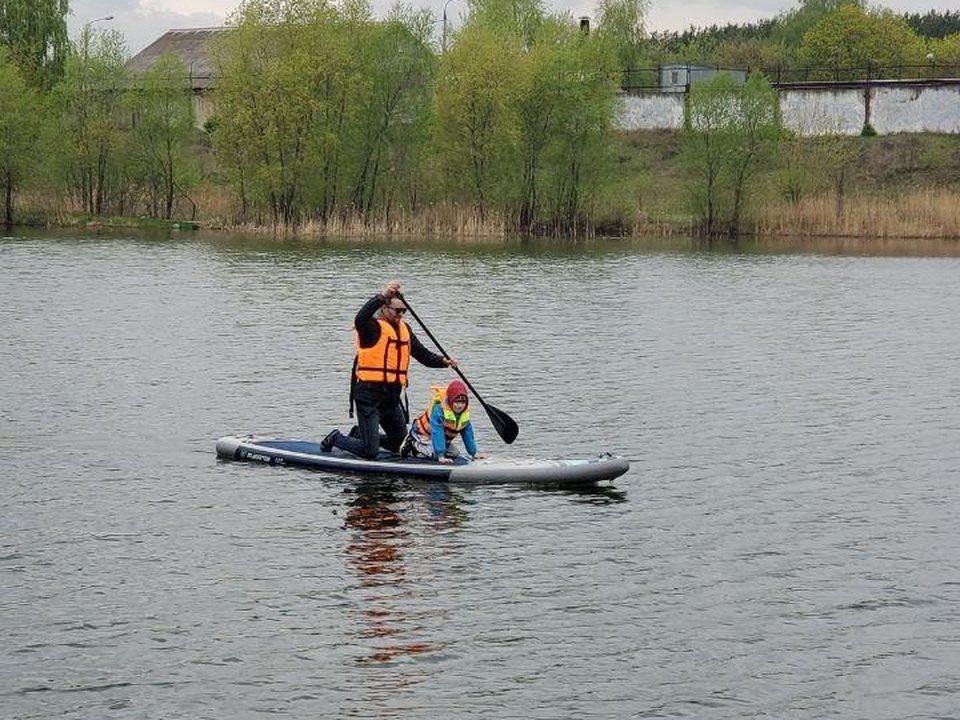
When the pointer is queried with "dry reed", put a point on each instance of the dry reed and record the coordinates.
(454, 220)
(446, 219)
(919, 213)
(644, 226)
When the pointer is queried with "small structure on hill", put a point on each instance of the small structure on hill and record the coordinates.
(191, 45)
(678, 78)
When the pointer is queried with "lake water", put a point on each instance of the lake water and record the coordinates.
(785, 545)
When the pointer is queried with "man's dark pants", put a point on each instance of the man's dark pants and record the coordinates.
(377, 405)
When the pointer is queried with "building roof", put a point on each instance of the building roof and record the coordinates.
(190, 44)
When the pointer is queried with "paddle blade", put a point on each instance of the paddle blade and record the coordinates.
(504, 425)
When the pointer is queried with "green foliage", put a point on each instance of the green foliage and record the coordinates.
(476, 125)
(843, 152)
(794, 174)
(322, 111)
(705, 41)
(807, 164)
(622, 23)
(582, 152)
(519, 19)
(772, 42)
(318, 103)
(731, 132)
(282, 101)
(88, 100)
(934, 23)
(791, 26)
(524, 125)
(754, 54)
(35, 32)
(162, 112)
(19, 130)
(837, 39)
(946, 52)
(939, 153)
(394, 110)
(854, 39)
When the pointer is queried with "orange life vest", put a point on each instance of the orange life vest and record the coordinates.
(453, 424)
(388, 360)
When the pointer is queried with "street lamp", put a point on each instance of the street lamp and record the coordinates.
(96, 20)
(85, 32)
(930, 59)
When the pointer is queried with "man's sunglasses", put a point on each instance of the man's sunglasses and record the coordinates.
(397, 310)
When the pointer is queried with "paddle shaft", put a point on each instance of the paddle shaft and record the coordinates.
(505, 425)
(440, 348)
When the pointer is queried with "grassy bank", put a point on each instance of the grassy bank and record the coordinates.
(895, 186)
(905, 186)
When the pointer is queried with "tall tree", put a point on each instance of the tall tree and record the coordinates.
(35, 31)
(623, 23)
(541, 79)
(163, 123)
(581, 152)
(475, 117)
(730, 130)
(281, 102)
(18, 130)
(935, 23)
(946, 52)
(711, 111)
(89, 98)
(515, 18)
(852, 40)
(393, 107)
(758, 127)
(792, 25)
(319, 104)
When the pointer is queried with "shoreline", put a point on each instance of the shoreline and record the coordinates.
(868, 212)
(679, 240)
(905, 186)
(680, 230)
(645, 232)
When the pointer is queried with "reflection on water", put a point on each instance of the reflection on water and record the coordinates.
(380, 515)
(281, 250)
(590, 494)
(870, 247)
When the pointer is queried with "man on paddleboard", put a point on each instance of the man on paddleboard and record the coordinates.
(385, 344)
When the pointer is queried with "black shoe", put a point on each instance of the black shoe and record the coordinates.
(406, 448)
(326, 445)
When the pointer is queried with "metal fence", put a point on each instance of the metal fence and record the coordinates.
(653, 80)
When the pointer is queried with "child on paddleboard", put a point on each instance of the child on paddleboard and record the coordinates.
(446, 420)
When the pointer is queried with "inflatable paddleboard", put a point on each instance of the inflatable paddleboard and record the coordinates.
(301, 453)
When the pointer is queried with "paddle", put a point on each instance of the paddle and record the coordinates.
(504, 425)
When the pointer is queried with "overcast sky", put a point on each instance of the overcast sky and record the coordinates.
(143, 21)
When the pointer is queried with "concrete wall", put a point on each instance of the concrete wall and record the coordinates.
(823, 112)
(659, 111)
(916, 109)
(825, 108)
